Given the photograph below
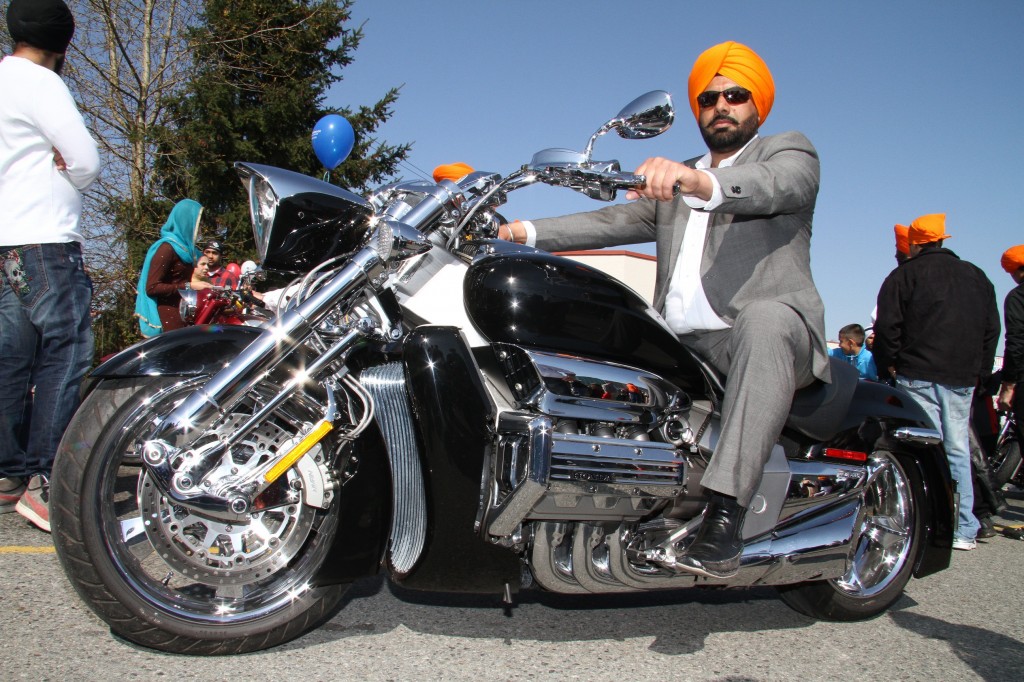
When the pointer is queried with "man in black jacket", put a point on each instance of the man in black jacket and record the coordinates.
(936, 335)
(1013, 346)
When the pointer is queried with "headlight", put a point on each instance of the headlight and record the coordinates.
(383, 239)
(395, 240)
(187, 307)
(262, 208)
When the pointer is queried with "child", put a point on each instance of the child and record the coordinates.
(201, 274)
(851, 349)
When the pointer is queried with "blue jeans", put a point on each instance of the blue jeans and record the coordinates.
(45, 343)
(949, 408)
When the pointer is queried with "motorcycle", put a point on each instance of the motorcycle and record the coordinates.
(233, 304)
(410, 411)
(1005, 459)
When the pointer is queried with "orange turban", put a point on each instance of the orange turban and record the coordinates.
(452, 171)
(928, 228)
(1013, 259)
(737, 63)
(902, 239)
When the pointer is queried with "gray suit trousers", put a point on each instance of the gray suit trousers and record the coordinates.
(766, 356)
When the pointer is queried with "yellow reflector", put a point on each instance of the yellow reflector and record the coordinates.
(304, 446)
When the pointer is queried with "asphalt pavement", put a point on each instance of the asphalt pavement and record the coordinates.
(965, 623)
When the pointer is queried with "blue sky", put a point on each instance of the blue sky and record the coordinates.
(913, 106)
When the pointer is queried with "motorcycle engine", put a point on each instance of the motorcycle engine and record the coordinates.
(590, 441)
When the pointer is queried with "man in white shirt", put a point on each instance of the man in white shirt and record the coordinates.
(733, 278)
(47, 158)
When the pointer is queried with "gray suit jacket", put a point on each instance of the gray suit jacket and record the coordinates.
(758, 241)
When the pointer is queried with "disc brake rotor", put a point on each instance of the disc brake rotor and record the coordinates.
(216, 552)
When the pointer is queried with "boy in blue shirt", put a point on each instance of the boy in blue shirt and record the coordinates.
(851, 349)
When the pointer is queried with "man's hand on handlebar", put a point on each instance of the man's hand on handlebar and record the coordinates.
(667, 178)
(512, 232)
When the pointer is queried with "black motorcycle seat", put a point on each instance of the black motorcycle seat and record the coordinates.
(818, 410)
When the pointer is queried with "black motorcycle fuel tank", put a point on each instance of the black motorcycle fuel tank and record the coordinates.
(535, 299)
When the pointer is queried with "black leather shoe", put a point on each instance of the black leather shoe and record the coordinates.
(986, 530)
(715, 551)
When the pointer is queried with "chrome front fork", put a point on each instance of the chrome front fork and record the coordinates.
(226, 389)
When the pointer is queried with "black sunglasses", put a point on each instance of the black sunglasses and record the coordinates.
(732, 96)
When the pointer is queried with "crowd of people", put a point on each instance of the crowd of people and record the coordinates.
(732, 229)
(935, 330)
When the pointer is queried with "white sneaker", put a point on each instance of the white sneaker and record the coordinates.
(964, 544)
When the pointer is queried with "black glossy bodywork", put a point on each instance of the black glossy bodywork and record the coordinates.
(190, 351)
(454, 415)
(312, 227)
(364, 515)
(543, 301)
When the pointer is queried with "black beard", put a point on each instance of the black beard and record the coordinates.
(726, 141)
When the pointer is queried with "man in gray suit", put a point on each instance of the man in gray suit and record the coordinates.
(733, 231)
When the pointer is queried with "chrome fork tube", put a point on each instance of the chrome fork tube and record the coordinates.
(228, 386)
(313, 371)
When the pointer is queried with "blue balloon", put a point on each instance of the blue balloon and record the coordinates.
(333, 139)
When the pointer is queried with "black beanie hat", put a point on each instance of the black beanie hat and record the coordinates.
(45, 24)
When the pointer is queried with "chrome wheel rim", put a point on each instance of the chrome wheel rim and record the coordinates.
(195, 568)
(885, 533)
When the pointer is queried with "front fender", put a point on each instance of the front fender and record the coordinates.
(364, 502)
(190, 351)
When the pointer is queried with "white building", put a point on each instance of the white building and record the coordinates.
(635, 270)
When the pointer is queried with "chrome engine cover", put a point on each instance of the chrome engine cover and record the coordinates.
(581, 448)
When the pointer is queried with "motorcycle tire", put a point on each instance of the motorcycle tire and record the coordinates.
(882, 557)
(107, 521)
(1005, 462)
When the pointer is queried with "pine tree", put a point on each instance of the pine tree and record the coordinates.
(261, 76)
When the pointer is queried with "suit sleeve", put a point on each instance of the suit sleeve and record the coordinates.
(631, 223)
(785, 180)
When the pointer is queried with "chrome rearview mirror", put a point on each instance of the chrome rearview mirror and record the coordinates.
(646, 116)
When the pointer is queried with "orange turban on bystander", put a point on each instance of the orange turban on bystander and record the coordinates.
(902, 239)
(1013, 259)
(740, 64)
(928, 228)
(452, 171)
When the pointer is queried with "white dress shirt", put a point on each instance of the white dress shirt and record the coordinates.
(686, 305)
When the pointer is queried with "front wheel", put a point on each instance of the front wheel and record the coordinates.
(169, 577)
(881, 561)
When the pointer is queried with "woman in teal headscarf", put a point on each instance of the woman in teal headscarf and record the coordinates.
(168, 268)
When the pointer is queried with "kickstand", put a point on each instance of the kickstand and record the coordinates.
(507, 603)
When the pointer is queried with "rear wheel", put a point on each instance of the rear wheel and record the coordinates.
(881, 561)
(170, 577)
